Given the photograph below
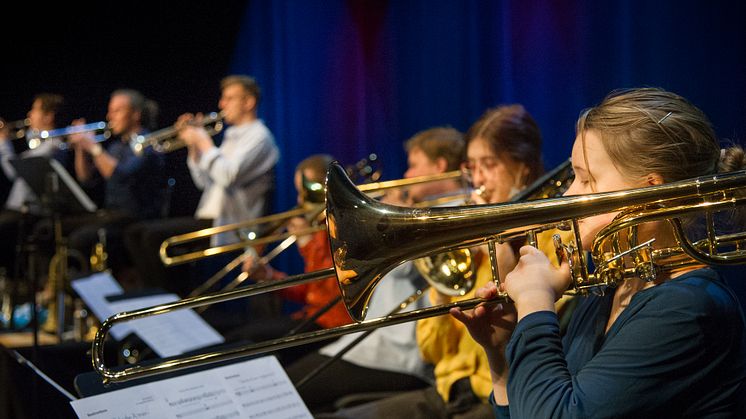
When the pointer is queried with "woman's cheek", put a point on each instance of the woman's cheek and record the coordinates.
(589, 228)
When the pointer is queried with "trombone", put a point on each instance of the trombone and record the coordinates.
(441, 266)
(315, 193)
(369, 239)
(313, 210)
(167, 139)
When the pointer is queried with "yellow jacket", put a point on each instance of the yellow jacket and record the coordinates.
(445, 342)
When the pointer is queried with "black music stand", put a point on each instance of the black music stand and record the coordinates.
(59, 195)
(56, 188)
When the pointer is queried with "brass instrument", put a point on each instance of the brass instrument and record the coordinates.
(167, 139)
(452, 273)
(17, 128)
(101, 130)
(252, 239)
(369, 239)
(312, 196)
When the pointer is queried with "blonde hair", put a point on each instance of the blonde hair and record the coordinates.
(650, 130)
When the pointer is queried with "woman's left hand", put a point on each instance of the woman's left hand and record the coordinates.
(535, 283)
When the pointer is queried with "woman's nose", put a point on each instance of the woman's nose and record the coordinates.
(477, 179)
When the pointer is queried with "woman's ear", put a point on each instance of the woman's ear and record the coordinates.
(442, 164)
(653, 179)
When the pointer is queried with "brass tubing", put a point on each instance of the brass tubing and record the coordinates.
(139, 371)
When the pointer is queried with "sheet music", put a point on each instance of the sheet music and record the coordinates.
(93, 290)
(167, 334)
(258, 388)
(172, 333)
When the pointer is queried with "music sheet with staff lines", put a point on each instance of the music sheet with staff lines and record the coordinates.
(258, 388)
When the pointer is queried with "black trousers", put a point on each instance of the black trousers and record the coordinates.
(342, 378)
(81, 233)
(142, 241)
(416, 404)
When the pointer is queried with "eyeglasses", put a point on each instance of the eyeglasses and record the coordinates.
(483, 163)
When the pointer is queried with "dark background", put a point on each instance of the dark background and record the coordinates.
(353, 77)
(174, 55)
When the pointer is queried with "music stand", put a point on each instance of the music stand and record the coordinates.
(59, 194)
(53, 185)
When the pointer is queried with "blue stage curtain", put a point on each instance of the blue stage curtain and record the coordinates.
(356, 77)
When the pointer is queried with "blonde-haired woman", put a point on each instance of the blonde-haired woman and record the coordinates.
(673, 347)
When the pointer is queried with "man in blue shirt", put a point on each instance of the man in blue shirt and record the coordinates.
(134, 184)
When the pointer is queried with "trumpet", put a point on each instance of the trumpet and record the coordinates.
(100, 128)
(369, 239)
(18, 128)
(167, 139)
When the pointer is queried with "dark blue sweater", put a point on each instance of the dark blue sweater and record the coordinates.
(677, 350)
(138, 183)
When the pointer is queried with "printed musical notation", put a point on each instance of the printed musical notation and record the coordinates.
(258, 388)
(167, 335)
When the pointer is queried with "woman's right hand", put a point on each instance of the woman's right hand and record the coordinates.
(491, 325)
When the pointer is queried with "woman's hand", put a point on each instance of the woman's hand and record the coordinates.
(535, 284)
(489, 324)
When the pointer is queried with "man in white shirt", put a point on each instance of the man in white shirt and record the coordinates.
(236, 178)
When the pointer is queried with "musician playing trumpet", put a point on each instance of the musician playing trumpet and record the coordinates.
(669, 346)
(236, 178)
(22, 204)
(133, 186)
